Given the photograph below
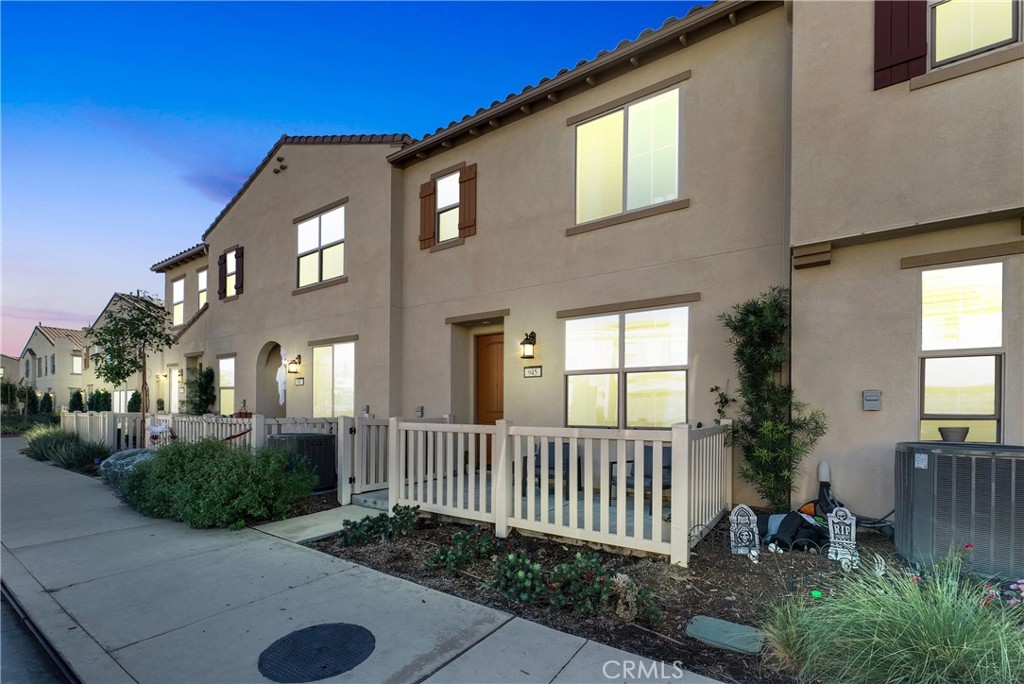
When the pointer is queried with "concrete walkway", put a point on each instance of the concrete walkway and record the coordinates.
(124, 598)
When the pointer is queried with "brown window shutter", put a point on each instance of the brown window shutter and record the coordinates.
(901, 41)
(239, 269)
(222, 276)
(428, 207)
(467, 201)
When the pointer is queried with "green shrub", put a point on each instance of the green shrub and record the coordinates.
(518, 578)
(200, 392)
(212, 484)
(465, 548)
(378, 527)
(46, 403)
(45, 440)
(940, 627)
(135, 402)
(100, 400)
(77, 454)
(8, 395)
(584, 585)
(76, 404)
(31, 401)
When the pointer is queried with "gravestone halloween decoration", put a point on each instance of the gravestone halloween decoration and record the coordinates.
(842, 538)
(743, 534)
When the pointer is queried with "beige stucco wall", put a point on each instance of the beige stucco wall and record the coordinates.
(267, 312)
(856, 327)
(727, 245)
(866, 161)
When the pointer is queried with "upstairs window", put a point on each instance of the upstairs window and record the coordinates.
(911, 35)
(321, 247)
(961, 351)
(627, 370)
(53, 364)
(963, 28)
(178, 301)
(28, 367)
(448, 207)
(230, 272)
(628, 159)
(201, 278)
(76, 365)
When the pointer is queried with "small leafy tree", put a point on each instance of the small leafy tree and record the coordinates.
(76, 403)
(46, 403)
(135, 402)
(134, 326)
(774, 431)
(200, 391)
(8, 395)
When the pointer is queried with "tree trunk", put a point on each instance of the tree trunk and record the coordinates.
(145, 401)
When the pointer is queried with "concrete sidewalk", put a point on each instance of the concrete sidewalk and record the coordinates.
(124, 598)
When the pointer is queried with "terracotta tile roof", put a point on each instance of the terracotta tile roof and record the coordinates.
(370, 139)
(674, 34)
(181, 257)
(53, 334)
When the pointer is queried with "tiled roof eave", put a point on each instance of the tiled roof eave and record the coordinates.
(190, 254)
(699, 18)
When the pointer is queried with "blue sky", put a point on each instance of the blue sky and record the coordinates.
(126, 126)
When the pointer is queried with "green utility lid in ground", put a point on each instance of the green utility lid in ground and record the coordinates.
(724, 634)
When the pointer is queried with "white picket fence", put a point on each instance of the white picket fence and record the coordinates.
(609, 487)
(587, 485)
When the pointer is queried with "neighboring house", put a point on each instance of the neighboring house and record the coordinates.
(9, 368)
(121, 394)
(53, 362)
(614, 211)
(907, 182)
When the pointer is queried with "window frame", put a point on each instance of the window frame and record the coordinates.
(931, 33)
(998, 353)
(317, 214)
(177, 320)
(622, 372)
(623, 105)
(80, 366)
(439, 210)
(221, 387)
(202, 293)
(231, 273)
(332, 346)
(53, 364)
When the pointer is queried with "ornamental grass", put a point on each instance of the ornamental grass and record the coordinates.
(939, 626)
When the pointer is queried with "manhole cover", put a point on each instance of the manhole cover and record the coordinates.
(316, 652)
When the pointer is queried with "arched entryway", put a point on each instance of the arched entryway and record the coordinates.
(269, 396)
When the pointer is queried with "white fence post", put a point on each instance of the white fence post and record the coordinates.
(346, 438)
(727, 448)
(394, 472)
(680, 529)
(109, 430)
(500, 479)
(258, 436)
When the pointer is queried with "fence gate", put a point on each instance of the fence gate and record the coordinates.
(370, 469)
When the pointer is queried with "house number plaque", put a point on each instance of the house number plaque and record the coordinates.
(532, 372)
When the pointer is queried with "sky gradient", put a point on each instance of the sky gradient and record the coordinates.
(126, 127)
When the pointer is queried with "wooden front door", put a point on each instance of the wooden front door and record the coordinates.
(490, 387)
(490, 378)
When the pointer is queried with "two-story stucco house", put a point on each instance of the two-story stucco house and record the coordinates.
(607, 216)
(53, 363)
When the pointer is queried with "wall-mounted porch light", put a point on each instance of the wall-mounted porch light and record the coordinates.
(529, 343)
(293, 365)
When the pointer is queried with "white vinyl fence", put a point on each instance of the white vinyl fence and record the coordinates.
(655, 491)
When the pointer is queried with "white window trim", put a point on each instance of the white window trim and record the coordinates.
(319, 250)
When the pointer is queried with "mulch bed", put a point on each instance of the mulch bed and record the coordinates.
(314, 503)
(717, 584)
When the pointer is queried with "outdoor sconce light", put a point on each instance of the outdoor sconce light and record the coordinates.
(529, 342)
(293, 365)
